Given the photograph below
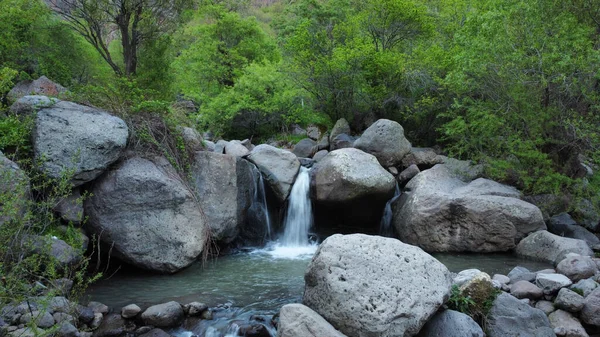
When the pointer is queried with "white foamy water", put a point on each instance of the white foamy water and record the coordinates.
(299, 217)
(279, 251)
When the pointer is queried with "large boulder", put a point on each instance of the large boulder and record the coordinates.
(148, 214)
(374, 286)
(563, 225)
(29, 104)
(450, 323)
(236, 148)
(305, 148)
(350, 190)
(577, 267)
(14, 190)
(297, 320)
(440, 213)
(78, 140)
(223, 184)
(545, 246)
(422, 157)
(590, 314)
(510, 317)
(565, 324)
(41, 86)
(279, 167)
(350, 174)
(163, 315)
(340, 127)
(385, 140)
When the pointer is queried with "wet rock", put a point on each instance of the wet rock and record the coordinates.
(450, 323)
(148, 214)
(85, 140)
(440, 213)
(590, 313)
(510, 317)
(195, 308)
(130, 311)
(568, 300)
(155, 333)
(552, 283)
(305, 148)
(163, 315)
(97, 320)
(565, 324)
(279, 167)
(297, 320)
(545, 246)
(577, 267)
(385, 140)
(374, 286)
(525, 289)
(253, 330)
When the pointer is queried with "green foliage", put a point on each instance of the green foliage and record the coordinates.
(459, 302)
(475, 301)
(15, 135)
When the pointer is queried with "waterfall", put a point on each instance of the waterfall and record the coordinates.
(299, 215)
(385, 227)
(259, 202)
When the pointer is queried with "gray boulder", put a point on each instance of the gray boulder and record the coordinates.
(113, 325)
(220, 146)
(564, 225)
(305, 148)
(564, 324)
(41, 319)
(577, 267)
(423, 157)
(545, 246)
(191, 138)
(585, 286)
(510, 317)
(323, 143)
(463, 169)
(407, 174)
(67, 329)
(450, 323)
(57, 249)
(374, 286)
(70, 208)
(590, 313)
(222, 184)
(349, 174)
(440, 213)
(77, 139)
(552, 283)
(519, 273)
(236, 148)
(568, 300)
(163, 315)
(41, 86)
(385, 140)
(340, 127)
(130, 311)
(342, 141)
(27, 105)
(313, 132)
(546, 306)
(320, 155)
(297, 320)
(148, 214)
(279, 167)
(525, 289)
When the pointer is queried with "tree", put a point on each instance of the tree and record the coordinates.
(136, 21)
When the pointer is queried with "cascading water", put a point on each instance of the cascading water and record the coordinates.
(299, 216)
(259, 204)
(385, 226)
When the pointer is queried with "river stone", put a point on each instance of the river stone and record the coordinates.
(440, 213)
(375, 286)
(148, 214)
(502, 279)
(546, 306)
(585, 286)
(545, 246)
(297, 320)
(194, 308)
(563, 225)
(519, 273)
(342, 141)
(320, 155)
(565, 324)
(305, 148)
(222, 185)
(67, 329)
(577, 267)
(350, 174)
(407, 174)
(163, 315)
(552, 283)
(525, 289)
(98, 307)
(509, 317)
(385, 140)
(60, 317)
(422, 157)
(568, 300)
(42, 319)
(14, 184)
(130, 311)
(155, 333)
(340, 127)
(590, 313)
(466, 276)
(77, 138)
(450, 323)
(112, 325)
(279, 167)
(236, 148)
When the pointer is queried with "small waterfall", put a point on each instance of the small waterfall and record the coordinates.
(299, 217)
(385, 227)
(259, 202)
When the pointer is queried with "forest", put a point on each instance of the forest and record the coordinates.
(513, 85)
